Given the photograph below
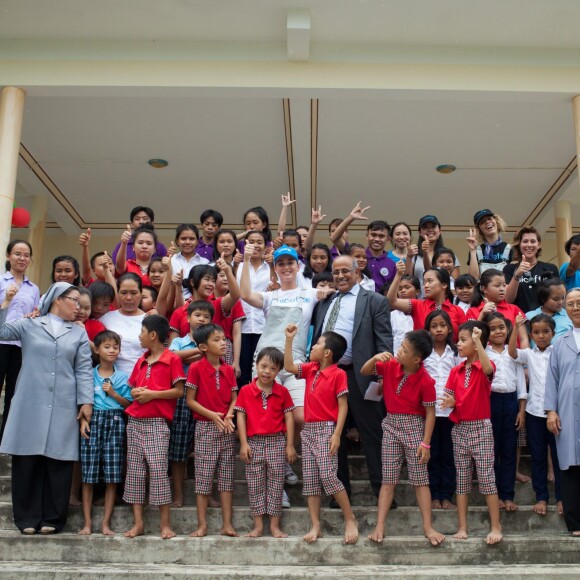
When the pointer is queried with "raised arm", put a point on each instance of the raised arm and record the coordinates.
(87, 271)
(369, 367)
(472, 245)
(513, 343)
(317, 217)
(286, 203)
(248, 295)
(289, 365)
(486, 365)
(357, 213)
(121, 262)
(233, 295)
(395, 302)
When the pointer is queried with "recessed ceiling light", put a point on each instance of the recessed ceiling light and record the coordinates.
(158, 163)
(446, 168)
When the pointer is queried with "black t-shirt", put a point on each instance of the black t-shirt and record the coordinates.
(526, 297)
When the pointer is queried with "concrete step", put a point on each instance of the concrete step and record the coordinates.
(362, 494)
(531, 548)
(295, 521)
(67, 571)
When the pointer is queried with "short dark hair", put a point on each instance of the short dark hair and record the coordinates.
(197, 273)
(141, 208)
(292, 234)
(107, 335)
(335, 222)
(336, 344)
(84, 292)
(154, 292)
(444, 250)
(421, 342)
(130, 276)
(158, 324)
(10, 247)
(274, 354)
(575, 239)
(539, 318)
(499, 316)
(202, 305)
(100, 289)
(545, 288)
(75, 265)
(201, 335)
(378, 225)
(212, 213)
(183, 228)
(465, 281)
(322, 277)
(259, 233)
(94, 257)
(471, 324)
(146, 228)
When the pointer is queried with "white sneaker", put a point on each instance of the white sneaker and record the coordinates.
(290, 477)
(285, 500)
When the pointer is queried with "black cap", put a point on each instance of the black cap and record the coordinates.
(428, 219)
(480, 215)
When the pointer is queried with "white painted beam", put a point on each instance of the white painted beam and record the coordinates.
(298, 34)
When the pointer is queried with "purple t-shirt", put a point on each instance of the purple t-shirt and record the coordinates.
(382, 269)
(204, 250)
(334, 253)
(160, 251)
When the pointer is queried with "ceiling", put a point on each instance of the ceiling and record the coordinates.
(230, 149)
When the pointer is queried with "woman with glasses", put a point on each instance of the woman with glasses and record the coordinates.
(55, 386)
(18, 257)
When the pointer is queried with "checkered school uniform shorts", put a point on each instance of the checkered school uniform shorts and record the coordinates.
(265, 474)
(319, 467)
(402, 435)
(105, 448)
(473, 443)
(214, 451)
(182, 430)
(147, 447)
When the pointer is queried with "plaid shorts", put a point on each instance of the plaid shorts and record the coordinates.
(182, 429)
(214, 450)
(402, 435)
(319, 467)
(473, 443)
(265, 474)
(105, 448)
(147, 447)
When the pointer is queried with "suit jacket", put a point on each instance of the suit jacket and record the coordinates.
(56, 376)
(371, 333)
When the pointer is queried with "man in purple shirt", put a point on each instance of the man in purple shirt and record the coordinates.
(140, 215)
(382, 268)
(211, 221)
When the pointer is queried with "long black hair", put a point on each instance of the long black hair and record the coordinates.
(486, 277)
(431, 316)
(308, 272)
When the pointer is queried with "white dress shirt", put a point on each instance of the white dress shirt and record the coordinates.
(537, 362)
(439, 367)
(401, 323)
(179, 263)
(259, 281)
(509, 374)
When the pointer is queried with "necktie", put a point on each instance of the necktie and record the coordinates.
(333, 316)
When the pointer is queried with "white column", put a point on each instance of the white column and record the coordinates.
(36, 237)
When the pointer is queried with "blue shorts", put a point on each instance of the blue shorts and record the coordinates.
(104, 450)
(182, 430)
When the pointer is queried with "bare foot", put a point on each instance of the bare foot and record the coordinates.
(107, 531)
(255, 533)
(350, 532)
(523, 478)
(575, 534)
(560, 508)
(377, 536)
(277, 532)
(229, 531)
(73, 500)
(434, 537)
(85, 531)
(213, 503)
(510, 506)
(541, 508)
(199, 533)
(176, 504)
(134, 532)
(551, 475)
(460, 534)
(448, 505)
(436, 505)
(501, 504)
(313, 535)
(166, 533)
(494, 537)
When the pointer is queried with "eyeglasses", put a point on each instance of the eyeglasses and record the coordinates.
(75, 300)
(343, 271)
(18, 255)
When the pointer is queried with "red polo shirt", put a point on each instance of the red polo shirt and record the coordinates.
(510, 311)
(323, 387)
(417, 393)
(213, 386)
(264, 413)
(420, 309)
(132, 266)
(159, 376)
(471, 403)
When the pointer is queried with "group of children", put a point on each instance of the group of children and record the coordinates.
(455, 393)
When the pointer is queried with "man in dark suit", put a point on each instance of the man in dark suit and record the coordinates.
(363, 318)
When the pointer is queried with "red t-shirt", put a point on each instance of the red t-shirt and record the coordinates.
(159, 376)
(471, 403)
(93, 327)
(420, 309)
(510, 311)
(416, 393)
(132, 266)
(323, 387)
(264, 414)
(213, 386)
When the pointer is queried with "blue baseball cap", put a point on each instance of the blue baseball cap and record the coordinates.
(285, 251)
(428, 219)
(480, 215)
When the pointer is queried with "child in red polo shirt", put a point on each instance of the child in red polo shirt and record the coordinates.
(468, 393)
(325, 410)
(266, 429)
(409, 395)
(211, 396)
(156, 383)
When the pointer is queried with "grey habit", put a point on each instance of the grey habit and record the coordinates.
(56, 377)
